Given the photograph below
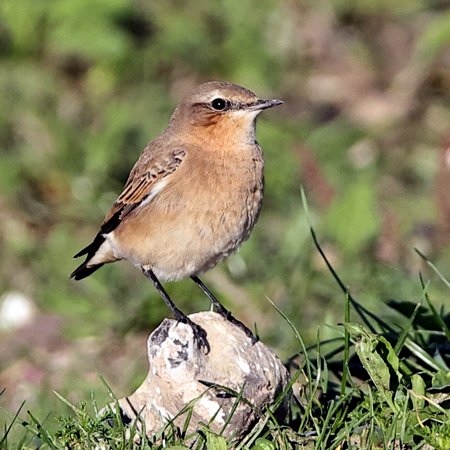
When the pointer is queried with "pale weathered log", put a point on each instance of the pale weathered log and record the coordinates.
(180, 374)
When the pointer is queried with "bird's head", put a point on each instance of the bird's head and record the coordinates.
(221, 107)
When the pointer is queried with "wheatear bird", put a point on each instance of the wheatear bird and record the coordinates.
(192, 197)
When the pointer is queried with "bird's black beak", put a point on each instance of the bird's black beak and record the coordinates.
(264, 104)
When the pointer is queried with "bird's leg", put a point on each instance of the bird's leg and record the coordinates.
(217, 305)
(222, 310)
(199, 332)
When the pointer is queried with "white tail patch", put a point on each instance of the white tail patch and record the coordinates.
(105, 253)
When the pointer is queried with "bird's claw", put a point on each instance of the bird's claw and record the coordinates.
(228, 316)
(200, 337)
(199, 333)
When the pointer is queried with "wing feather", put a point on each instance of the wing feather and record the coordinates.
(145, 181)
(140, 187)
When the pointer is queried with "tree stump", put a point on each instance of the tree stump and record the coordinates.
(227, 388)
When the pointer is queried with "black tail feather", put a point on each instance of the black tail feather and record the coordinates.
(84, 271)
(92, 247)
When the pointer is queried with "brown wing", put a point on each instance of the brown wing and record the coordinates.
(142, 186)
(143, 183)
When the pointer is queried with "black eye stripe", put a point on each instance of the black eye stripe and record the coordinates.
(228, 105)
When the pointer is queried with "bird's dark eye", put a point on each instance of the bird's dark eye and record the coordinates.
(219, 104)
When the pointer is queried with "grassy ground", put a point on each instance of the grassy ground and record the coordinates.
(364, 129)
(382, 385)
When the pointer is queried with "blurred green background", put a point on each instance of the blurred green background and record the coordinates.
(85, 84)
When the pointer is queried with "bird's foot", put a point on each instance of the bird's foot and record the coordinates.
(220, 309)
(199, 333)
(228, 316)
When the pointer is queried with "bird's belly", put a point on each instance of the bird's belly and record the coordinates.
(192, 237)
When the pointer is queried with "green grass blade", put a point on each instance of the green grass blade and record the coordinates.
(362, 312)
(435, 269)
(41, 432)
(67, 403)
(8, 430)
(438, 317)
(345, 369)
(297, 336)
(421, 354)
(404, 334)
